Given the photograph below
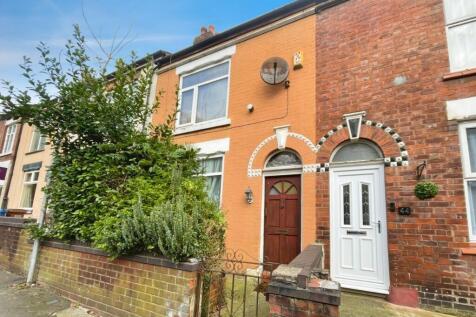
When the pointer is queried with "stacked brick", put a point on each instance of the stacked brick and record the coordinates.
(281, 306)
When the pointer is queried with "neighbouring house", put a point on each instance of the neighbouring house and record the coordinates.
(377, 96)
(10, 133)
(33, 157)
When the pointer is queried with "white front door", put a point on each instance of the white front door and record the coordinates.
(359, 251)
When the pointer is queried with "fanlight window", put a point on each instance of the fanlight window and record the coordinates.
(285, 158)
(357, 152)
(283, 188)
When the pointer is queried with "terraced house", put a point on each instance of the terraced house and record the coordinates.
(316, 121)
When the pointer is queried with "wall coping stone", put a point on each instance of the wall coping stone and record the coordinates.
(192, 266)
(15, 222)
(298, 279)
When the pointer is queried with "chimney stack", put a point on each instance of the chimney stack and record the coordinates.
(205, 34)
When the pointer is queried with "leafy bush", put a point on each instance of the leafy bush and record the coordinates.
(426, 190)
(115, 181)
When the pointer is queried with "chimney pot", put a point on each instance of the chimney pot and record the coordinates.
(203, 30)
(211, 29)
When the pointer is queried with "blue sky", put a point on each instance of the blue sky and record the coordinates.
(149, 25)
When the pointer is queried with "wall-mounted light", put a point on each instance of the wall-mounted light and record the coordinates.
(419, 170)
(249, 195)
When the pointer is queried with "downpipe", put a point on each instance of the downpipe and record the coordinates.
(36, 243)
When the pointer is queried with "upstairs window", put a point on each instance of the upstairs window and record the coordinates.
(37, 141)
(204, 95)
(461, 33)
(9, 138)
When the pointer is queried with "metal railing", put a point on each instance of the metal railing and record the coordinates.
(233, 286)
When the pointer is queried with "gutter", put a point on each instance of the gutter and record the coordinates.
(329, 5)
(259, 22)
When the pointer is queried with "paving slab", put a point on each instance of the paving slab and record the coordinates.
(354, 305)
(20, 300)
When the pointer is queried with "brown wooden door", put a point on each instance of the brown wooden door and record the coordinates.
(282, 221)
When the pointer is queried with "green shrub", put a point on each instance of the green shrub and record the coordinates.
(115, 181)
(426, 190)
(185, 226)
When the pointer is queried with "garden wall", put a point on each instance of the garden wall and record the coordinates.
(133, 286)
(14, 248)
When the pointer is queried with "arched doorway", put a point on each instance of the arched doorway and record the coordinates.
(282, 210)
(359, 250)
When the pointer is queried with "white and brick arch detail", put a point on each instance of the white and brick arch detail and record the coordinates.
(309, 168)
(392, 161)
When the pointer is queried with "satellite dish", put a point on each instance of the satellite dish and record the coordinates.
(274, 70)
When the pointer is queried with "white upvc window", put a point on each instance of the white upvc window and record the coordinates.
(37, 141)
(9, 139)
(212, 170)
(467, 133)
(204, 96)
(30, 183)
(461, 33)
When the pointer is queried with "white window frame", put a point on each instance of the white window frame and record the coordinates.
(6, 165)
(467, 19)
(193, 125)
(35, 147)
(221, 174)
(468, 175)
(32, 182)
(10, 132)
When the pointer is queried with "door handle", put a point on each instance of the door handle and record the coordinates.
(379, 224)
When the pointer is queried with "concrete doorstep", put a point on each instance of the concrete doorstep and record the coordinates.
(20, 300)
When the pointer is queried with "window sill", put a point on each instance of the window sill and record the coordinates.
(5, 154)
(202, 126)
(34, 152)
(468, 251)
(460, 74)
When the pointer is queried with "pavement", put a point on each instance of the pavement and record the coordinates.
(20, 300)
(356, 305)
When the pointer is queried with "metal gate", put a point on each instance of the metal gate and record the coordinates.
(231, 286)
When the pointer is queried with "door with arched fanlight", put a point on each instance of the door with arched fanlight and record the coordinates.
(359, 250)
(282, 218)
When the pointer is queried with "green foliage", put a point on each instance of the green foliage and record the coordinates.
(426, 190)
(35, 231)
(111, 170)
(185, 226)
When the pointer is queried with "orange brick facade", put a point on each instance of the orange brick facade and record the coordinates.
(274, 106)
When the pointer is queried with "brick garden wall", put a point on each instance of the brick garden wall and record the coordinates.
(14, 248)
(388, 58)
(127, 287)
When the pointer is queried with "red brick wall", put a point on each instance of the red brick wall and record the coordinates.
(14, 248)
(113, 288)
(283, 306)
(120, 287)
(361, 47)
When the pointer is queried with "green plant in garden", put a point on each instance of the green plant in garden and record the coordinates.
(111, 171)
(426, 190)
